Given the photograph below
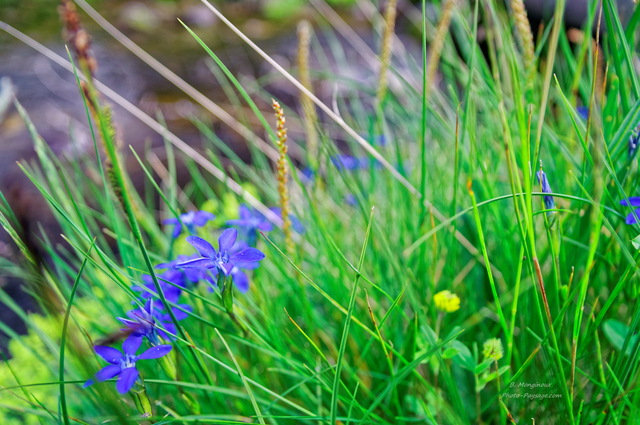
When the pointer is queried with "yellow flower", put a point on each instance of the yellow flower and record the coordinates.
(447, 301)
(492, 349)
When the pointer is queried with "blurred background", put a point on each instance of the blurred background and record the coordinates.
(52, 99)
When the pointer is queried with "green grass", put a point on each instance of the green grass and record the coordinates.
(344, 329)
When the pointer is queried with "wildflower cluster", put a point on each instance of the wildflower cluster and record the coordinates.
(222, 268)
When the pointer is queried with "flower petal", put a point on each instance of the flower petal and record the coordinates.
(110, 354)
(202, 217)
(583, 112)
(131, 344)
(226, 268)
(240, 280)
(297, 224)
(634, 217)
(211, 278)
(633, 201)
(172, 220)
(149, 306)
(227, 239)
(172, 293)
(128, 377)
(130, 323)
(239, 223)
(247, 255)
(187, 218)
(203, 247)
(192, 275)
(155, 352)
(198, 262)
(244, 212)
(176, 231)
(265, 226)
(108, 372)
(252, 265)
(180, 314)
(345, 162)
(138, 314)
(168, 332)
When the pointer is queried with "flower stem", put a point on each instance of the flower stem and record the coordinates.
(227, 301)
(141, 400)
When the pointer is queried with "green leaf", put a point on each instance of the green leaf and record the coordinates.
(482, 366)
(464, 358)
(449, 352)
(503, 370)
(617, 332)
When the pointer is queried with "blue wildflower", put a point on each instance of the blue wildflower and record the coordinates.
(634, 217)
(124, 364)
(182, 277)
(225, 259)
(172, 289)
(149, 321)
(307, 175)
(251, 220)
(348, 162)
(240, 278)
(352, 163)
(191, 220)
(549, 203)
(583, 112)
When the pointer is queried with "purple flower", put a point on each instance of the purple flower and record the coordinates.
(240, 278)
(191, 220)
(351, 163)
(124, 364)
(634, 217)
(149, 321)
(348, 162)
(583, 112)
(170, 290)
(225, 259)
(549, 203)
(306, 175)
(182, 277)
(250, 221)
